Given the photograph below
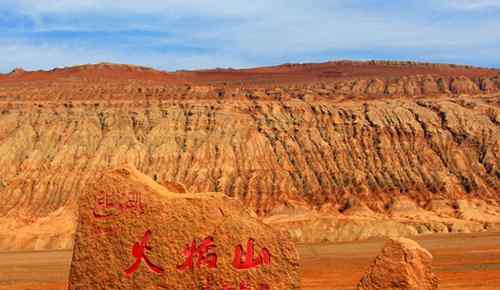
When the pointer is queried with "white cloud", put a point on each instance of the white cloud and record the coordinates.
(470, 4)
(171, 7)
(47, 56)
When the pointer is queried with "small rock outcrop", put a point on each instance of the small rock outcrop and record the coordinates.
(403, 265)
(135, 234)
(17, 71)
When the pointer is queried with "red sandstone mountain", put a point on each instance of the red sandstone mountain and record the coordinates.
(287, 73)
(330, 80)
(332, 151)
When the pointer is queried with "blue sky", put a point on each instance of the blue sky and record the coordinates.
(195, 34)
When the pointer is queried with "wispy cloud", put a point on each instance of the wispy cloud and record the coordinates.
(470, 4)
(175, 34)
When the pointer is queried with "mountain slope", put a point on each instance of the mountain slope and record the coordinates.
(289, 150)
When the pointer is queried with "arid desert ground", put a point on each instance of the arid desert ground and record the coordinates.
(461, 261)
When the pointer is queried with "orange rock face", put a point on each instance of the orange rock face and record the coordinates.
(295, 143)
(135, 234)
(402, 265)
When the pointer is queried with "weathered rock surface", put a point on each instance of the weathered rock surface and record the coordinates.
(135, 234)
(403, 265)
(303, 155)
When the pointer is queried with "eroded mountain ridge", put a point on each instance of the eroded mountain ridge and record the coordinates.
(325, 157)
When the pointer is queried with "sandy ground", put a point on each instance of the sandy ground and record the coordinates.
(468, 261)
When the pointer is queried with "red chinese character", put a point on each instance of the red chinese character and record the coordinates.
(264, 286)
(133, 203)
(138, 252)
(103, 205)
(244, 285)
(249, 261)
(204, 258)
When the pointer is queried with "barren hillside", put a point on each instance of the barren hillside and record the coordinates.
(326, 150)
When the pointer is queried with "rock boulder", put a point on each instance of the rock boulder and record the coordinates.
(135, 234)
(403, 265)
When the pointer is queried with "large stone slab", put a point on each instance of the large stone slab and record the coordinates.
(135, 234)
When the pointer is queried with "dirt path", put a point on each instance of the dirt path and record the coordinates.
(469, 261)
